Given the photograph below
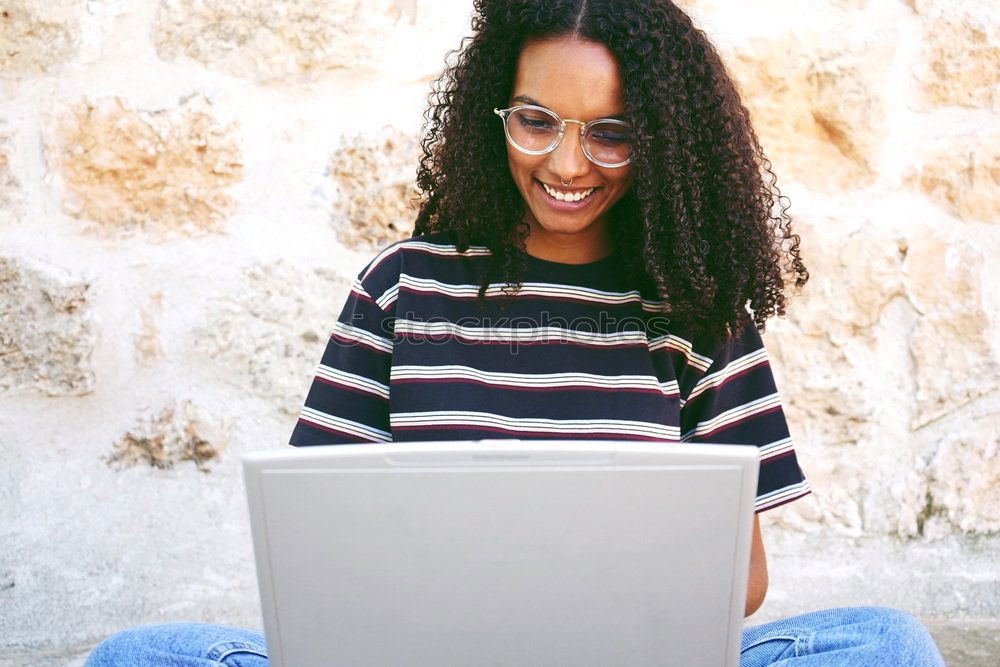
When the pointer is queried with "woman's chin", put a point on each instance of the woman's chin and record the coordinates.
(566, 227)
(550, 221)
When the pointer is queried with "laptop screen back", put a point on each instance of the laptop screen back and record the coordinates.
(503, 553)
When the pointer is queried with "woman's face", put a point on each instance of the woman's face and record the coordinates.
(580, 80)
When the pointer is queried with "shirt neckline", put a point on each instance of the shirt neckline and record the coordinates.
(560, 270)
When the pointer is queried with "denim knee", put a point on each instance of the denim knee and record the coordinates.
(125, 644)
(846, 636)
(181, 645)
(908, 636)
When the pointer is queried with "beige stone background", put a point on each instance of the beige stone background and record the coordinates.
(188, 186)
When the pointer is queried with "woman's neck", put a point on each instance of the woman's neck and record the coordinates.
(582, 247)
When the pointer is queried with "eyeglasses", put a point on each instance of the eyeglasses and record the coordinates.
(607, 142)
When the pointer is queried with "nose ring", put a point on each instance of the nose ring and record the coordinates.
(565, 184)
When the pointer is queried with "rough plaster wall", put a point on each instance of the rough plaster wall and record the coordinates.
(165, 171)
(38, 35)
(177, 434)
(187, 189)
(46, 335)
(961, 172)
(960, 56)
(273, 41)
(890, 360)
(9, 186)
(376, 191)
(262, 338)
(293, 41)
(822, 100)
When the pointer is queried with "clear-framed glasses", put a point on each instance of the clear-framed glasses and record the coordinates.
(607, 142)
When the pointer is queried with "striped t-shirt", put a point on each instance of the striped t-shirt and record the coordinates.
(575, 354)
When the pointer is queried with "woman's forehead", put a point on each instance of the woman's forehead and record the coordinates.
(574, 77)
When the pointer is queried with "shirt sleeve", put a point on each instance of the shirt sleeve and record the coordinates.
(348, 401)
(736, 402)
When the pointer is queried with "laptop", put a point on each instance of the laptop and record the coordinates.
(502, 552)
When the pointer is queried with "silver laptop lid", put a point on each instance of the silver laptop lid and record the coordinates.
(503, 552)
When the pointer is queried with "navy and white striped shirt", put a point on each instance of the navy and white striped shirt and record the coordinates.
(576, 354)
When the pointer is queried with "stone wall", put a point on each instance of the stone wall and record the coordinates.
(880, 119)
(187, 189)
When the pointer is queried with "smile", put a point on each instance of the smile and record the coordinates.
(568, 196)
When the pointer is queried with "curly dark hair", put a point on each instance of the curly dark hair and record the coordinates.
(703, 222)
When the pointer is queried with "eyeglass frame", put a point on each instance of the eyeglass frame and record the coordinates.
(506, 113)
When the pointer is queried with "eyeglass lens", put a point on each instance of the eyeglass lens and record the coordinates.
(537, 130)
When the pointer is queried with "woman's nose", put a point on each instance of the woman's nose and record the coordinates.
(568, 161)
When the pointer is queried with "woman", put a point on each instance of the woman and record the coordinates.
(596, 250)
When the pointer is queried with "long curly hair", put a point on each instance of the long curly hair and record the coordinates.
(703, 223)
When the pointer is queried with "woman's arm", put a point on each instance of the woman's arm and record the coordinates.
(757, 585)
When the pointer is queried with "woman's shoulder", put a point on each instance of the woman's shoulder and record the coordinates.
(442, 244)
(444, 241)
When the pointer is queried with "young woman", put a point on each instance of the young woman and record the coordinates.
(599, 242)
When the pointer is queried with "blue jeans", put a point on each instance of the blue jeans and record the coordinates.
(869, 636)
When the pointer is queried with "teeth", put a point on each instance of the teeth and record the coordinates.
(568, 196)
